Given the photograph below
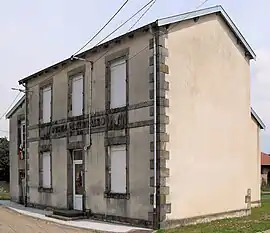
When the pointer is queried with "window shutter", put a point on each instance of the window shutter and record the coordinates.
(23, 138)
(70, 95)
(47, 96)
(77, 95)
(19, 137)
(40, 105)
(46, 159)
(118, 84)
(40, 170)
(118, 169)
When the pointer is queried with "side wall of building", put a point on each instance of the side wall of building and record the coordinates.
(255, 162)
(15, 163)
(209, 114)
(137, 134)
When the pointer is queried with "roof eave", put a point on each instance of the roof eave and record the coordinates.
(83, 54)
(257, 118)
(159, 22)
(15, 107)
(207, 11)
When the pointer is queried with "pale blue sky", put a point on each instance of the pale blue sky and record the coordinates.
(36, 34)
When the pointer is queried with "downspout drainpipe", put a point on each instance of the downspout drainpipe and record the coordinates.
(153, 31)
(88, 147)
(25, 147)
(90, 103)
(155, 123)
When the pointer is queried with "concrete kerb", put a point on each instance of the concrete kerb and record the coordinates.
(94, 226)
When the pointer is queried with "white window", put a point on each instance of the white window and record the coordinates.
(118, 169)
(118, 83)
(21, 140)
(46, 170)
(23, 133)
(46, 105)
(77, 95)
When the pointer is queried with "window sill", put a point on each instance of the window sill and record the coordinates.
(44, 124)
(117, 195)
(117, 109)
(45, 190)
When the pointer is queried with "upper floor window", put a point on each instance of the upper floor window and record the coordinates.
(77, 95)
(118, 77)
(46, 104)
(21, 139)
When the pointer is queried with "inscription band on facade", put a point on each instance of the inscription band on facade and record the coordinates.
(115, 121)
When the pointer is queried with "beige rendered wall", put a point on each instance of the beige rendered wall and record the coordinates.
(255, 158)
(58, 198)
(15, 163)
(209, 116)
(138, 205)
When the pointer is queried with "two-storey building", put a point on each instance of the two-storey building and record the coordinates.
(152, 128)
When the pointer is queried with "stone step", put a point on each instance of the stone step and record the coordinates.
(69, 213)
(63, 218)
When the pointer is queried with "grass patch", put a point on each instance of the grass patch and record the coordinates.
(4, 191)
(265, 196)
(266, 189)
(258, 221)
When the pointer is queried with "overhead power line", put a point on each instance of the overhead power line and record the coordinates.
(121, 25)
(88, 42)
(58, 71)
(153, 2)
(144, 13)
(146, 47)
(3, 131)
(196, 8)
(10, 106)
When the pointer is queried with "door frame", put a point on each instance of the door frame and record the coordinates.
(21, 185)
(74, 163)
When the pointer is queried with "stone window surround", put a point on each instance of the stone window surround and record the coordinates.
(122, 140)
(42, 86)
(122, 54)
(41, 188)
(47, 148)
(20, 119)
(72, 74)
(108, 193)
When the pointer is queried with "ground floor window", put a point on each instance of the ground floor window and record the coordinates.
(45, 178)
(118, 169)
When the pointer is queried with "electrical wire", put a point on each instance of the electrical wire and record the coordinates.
(121, 25)
(196, 8)
(146, 47)
(58, 71)
(153, 2)
(3, 131)
(88, 42)
(10, 105)
(144, 13)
